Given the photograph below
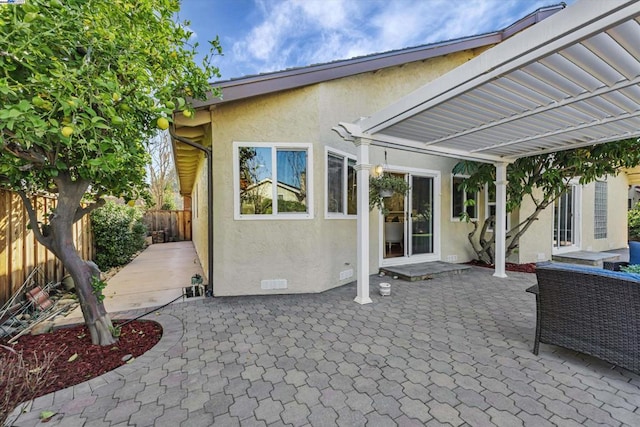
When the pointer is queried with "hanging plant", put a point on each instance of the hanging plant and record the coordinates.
(385, 186)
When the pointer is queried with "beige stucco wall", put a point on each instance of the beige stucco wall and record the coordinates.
(309, 254)
(536, 244)
(616, 215)
(199, 213)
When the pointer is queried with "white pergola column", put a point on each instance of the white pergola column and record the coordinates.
(362, 169)
(500, 225)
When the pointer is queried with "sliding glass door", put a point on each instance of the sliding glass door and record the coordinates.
(408, 228)
(565, 220)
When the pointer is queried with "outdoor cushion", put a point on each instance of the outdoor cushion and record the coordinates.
(634, 277)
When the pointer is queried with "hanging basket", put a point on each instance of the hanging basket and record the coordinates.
(386, 193)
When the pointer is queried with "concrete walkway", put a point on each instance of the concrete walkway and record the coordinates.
(455, 350)
(155, 277)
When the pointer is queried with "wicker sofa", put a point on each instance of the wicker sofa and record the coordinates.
(590, 310)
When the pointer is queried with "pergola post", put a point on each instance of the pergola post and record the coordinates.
(362, 169)
(500, 226)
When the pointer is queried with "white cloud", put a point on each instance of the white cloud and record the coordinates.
(302, 32)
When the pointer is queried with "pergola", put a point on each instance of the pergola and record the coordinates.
(568, 81)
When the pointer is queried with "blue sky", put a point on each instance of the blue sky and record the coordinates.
(259, 36)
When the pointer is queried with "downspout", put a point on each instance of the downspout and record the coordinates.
(209, 155)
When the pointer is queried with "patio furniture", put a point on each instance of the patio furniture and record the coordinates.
(614, 265)
(590, 310)
(634, 258)
(393, 233)
(634, 252)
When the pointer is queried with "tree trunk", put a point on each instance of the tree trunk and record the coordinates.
(486, 246)
(96, 317)
(57, 236)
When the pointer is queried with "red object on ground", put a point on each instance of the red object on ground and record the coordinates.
(509, 266)
(39, 298)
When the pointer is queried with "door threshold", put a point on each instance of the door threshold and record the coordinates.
(424, 270)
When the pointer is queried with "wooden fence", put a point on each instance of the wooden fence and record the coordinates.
(168, 226)
(20, 252)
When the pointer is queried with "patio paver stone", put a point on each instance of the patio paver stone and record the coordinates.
(454, 350)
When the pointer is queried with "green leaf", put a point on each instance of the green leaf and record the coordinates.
(31, 16)
(45, 415)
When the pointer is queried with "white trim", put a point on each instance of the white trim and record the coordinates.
(308, 147)
(590, 36)
(477, 208)
(501, 214)
(362, 224)
(437, 230)
(487, 204)
(577, 22)
(346, 157)
(350, 131)
(577, 224)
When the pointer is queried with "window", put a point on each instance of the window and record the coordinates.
(341, 190)
(490, 207)
(264, 172)
(600, 211)
(459, 198)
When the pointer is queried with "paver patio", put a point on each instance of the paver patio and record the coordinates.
(454, 350)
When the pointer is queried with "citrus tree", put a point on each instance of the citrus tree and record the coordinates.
(84, 83)
(541, 179)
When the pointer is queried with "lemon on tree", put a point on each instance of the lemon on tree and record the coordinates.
(163, 123)
(66, 131)
(37, 101)
(186, 113)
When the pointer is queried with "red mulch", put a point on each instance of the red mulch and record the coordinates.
(521, 268)
(136, 338)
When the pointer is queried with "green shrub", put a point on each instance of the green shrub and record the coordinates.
(118, 233)
(634, 223)
(633, 268)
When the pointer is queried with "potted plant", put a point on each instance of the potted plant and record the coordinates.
(384, 186)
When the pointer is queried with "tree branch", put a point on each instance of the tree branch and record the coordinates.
(80, 212)
(515, 241)
(30, 155)
(46, 241)
(10, 55)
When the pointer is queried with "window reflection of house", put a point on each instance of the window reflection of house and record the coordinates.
(261, 194)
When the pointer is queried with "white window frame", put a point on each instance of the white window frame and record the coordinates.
(345, 176)
(308, 147)
(487, 204)
(452, 193)
(577, 212)
(436, 175)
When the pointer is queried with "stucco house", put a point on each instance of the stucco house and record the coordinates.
(318, 132)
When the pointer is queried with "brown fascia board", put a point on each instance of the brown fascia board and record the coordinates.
(246, 87)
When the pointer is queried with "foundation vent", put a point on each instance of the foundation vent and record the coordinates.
(273, 284)
(346, 274)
